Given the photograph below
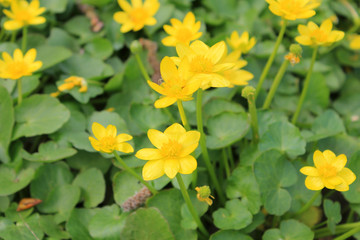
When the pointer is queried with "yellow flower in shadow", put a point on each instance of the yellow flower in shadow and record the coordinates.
(23, 14)
(243, 43)
(182, 32)
(176, 85)
(329, 172)
(137, 15)
(313, 35)
(20, 65)
(293, 9)
(108, 141)
(172, 152)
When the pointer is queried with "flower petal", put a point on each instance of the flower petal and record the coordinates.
(216, 52)
(149, 154)
(348, 176)
(319, 159)
(123, 137)
(124, 147)
(314, 183)
(111, 131)
(164, 102)
(310, 171)
(153, 170)
(95, 143)
(171, 167)
(175, 131)
(98, 130)
(343, 187)
(168, 69)
(157, 138)
(188, 164)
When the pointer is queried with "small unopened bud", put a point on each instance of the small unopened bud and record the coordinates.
(296, 49)
(135, 47)
(247, 91)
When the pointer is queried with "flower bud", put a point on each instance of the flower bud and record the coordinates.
(247, 91)
(135, 47)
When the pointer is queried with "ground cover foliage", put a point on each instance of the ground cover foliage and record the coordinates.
(73, 190)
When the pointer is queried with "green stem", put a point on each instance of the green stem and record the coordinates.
(231, 157)
(253, 115)
(348, 234)
(271, 58)
(323, 232)
(24, 39)
(226, 163)
(308, 204)
(132, 172)
(19, 87)
(142, 68)
(319, 225)
(204, 150)
(190, 205)
(306, 87)
(2, 33)
(13, 36)
(183, 115)
(275, 84)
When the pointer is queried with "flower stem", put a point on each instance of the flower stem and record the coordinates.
(253, 115)
(204, 150)
(306, 87)
(142, 68)
(24, 39)
(132, 172)
(271, 58)
(190, 205)
(348, 234)
(231, 157)
(13, 36)
(226, 163)
(275, 84)
(19, 87)
(323, 232)
(183, 115)
(308, 204)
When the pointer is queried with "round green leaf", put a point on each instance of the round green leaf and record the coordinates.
(52, 55)
(11, 181)
(6, 123)
(100, 48)
(49, 152)
(353, 195)
(125, 186)
(235, 215)
(39, 114)
(78, 223)
(147, 117)
(229, 235)
(290, 230)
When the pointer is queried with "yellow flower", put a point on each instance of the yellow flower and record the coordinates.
(19, 66)
(182, 32)
(6, 3)
(172, 153)
(73, 81)
(312, 35)
(293, 9)
(355, 42)
(136, 16)
(205, 63)
(23, 14)
(55, 94)
(243, 43)
(176, 84)
(329, 172)
(203, 194)
(107, 141)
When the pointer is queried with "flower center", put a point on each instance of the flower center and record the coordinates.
(200, 64)
(24, 16)
(183, 35)
(18, 69)
(138, 15)
(108, 142)
(327, 171)
(318, 35)
(174, 87)
(171, 149)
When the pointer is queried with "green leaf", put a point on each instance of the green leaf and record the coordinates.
(226, 8)
(29, 84)
(226, 128)
(201, 208)
(4, 203)
(78, 223)
(84, 97)
(52, 55)
(229, 235)
(96, 2)
(39, 114)
(146, 224)
(353, 195)
(12, 181)
(162, 16)
(242, 184)
(125, 186)
(85, 160)
(114, 83)
(169, 203)
(284, 137)
(6, 123)
(289, 230)
(318, 95)
(218, 105)
(49, 152)
(20, 231)
(333, 214)
(54, 6)
(326, 125)
(51, 228)
(273, 172)
(80, 26)
(235, 215)
(107, 223)
(100, 48)
(92, 185)
(59, 37)
(147, 117)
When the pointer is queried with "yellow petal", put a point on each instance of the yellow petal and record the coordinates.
(124, 147)
(171, 167)
(339, 162)
(336, 180)
(199, 47)
(182, 50)
(164, 102)
(216, 52)
(319, 159)
(312, 26)
(121, 17)
(111, 131)
(95, 143)
(169, 41)
(347, 175)
(157, 87)
(30, 55)
(157, 138)
(152, 6)
(326, 26)
(343, 187)
(125, 5)
(98, 130)
(150, 21)
(175, 131)
(168, 69)
(314, 183)
(188, 164)
(189, 142)
(153, 170)
(18, 55)
(311, 171)
(303, 30)
(126, 27)
(149, 154)
(189, 19)
(329, 156)
(136, 3)
(304, 40)
(35, 66)
(123, 137)
(37, 20)
(13, 25)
